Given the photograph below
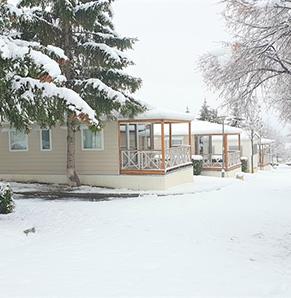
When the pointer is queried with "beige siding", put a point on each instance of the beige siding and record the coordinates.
(34, 161)
(100, 162)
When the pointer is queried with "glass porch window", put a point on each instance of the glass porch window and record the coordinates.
(136, 136)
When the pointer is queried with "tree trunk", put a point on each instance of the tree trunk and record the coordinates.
(71, 119)
(252, 151)
(71, 163)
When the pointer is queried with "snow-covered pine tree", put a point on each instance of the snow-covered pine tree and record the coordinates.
(69, 61)
(208, 114)
(235, 118)
(214, 116)
(7, 204)
(204, 114)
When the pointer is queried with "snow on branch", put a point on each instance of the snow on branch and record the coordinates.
(50, 90)
(57, 51)
(19, 49)
(111, 53)
(91, 5)
(101, 87)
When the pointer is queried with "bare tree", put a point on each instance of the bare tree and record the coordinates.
(253, 125)
(279, 146)
(257, 63)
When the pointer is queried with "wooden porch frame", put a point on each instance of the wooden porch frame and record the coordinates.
(162, 122)
(225, 146)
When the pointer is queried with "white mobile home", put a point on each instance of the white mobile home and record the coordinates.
(123, 155)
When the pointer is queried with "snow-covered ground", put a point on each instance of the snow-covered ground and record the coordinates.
(231, 239)
(200, 184)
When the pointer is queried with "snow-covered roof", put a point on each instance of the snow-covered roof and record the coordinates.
(203, 127)
(154, 114)
(245, 136)
(265, 141)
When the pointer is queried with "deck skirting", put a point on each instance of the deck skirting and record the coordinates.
(132, 182)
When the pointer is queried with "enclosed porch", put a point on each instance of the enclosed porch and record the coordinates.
(265, 153)
(146, 146)
(219, 151)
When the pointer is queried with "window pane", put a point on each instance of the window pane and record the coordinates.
(45, 139)
(177, 142)
(234, 148)
(123, 136)
(92, 140)
(18, 140)
(132, 136)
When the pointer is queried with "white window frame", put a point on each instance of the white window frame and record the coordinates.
(50, 134)
(92, 149)
(17, 150)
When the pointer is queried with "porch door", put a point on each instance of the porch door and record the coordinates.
(132, 139)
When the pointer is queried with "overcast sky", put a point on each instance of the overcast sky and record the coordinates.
(172, 35)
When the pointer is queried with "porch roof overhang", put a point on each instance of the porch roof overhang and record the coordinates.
(201, 128)
(205, 128)
(157, 116)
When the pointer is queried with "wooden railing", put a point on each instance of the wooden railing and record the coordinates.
(143, 160)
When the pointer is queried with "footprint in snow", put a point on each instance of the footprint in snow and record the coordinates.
(258, 235)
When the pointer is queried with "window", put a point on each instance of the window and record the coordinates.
(177, 141)
(92, 140)
(18, 140)
(233, 148)
(45, 140)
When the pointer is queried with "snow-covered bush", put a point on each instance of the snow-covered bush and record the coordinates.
(244, 164)
(197, 161)
(6, 199)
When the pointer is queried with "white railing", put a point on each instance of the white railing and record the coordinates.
(216, 160)
(212, 160)
(233, 158)
(265, 159)
(152, 159)
(141, 160)
(177, 156)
